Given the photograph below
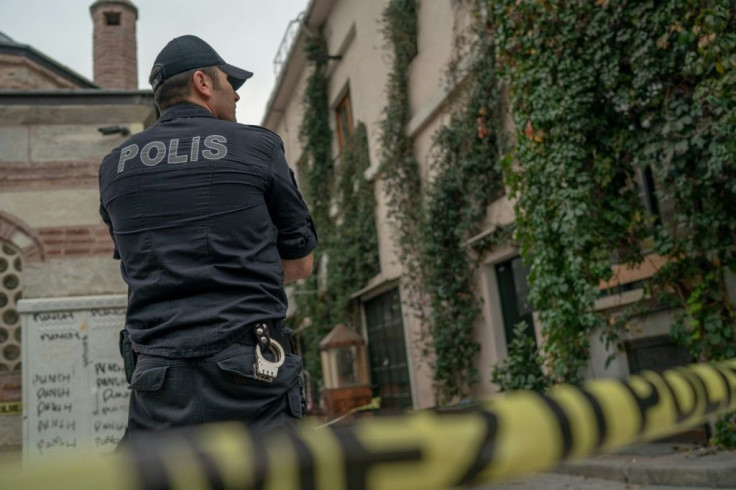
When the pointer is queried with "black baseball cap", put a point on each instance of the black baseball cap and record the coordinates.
(189, 52)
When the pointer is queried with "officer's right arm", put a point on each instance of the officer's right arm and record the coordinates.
(297, 237)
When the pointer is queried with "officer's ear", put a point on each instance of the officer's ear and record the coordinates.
(202, 84)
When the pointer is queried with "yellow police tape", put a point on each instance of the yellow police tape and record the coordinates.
(506, 436)
(11, 408)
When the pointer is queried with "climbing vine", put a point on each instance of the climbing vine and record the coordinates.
(693, 140)
(347, 245)
(467, 179)
(314, 305)
(399, 171)
(316, 136)
(600, 91)
(573, 176)
(354, 258)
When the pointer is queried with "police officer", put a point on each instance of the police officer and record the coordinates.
(209, 225)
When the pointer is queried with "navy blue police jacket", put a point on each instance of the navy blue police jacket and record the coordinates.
(202, 211)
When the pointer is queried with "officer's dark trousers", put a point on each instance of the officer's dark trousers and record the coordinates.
(168, 393)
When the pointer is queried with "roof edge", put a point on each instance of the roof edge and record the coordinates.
(76, 97)
(123, 3)
(312, 21)
(47, 62)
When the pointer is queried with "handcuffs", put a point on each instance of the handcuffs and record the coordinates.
(263, 369)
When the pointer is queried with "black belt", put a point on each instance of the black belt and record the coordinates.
(276, 330)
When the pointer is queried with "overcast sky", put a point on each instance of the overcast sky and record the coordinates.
(246, 33)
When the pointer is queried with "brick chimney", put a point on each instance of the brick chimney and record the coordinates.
(114, 44)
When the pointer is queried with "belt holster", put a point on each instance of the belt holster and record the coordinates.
(129, 356)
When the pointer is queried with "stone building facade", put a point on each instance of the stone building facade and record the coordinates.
(55, 127)
(357, 74)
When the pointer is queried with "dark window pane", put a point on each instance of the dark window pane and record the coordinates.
(387, 351)
(513, 290)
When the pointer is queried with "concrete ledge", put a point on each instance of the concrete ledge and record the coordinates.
(686, 469)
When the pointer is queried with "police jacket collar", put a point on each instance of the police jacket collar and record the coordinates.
(185, 109)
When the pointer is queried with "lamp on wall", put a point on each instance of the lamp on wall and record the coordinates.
(323, 57)
(344, 371)
(108, 130)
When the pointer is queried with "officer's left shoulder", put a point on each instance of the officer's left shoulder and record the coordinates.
(258, 137)
(260, 130)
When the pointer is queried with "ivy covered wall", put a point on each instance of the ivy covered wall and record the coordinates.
(601, 90)
(601, 93)
(347, 256)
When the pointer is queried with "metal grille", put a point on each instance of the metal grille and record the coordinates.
(292, 30)
(11, 291)
(387, 351)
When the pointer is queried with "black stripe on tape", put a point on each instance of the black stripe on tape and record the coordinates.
(145, 453)
(563, 422)
(359, 460)
(600, 420)
(209, 469)
(680, 413)
(486, 447)
(700, 389)
(305, 460)
(726, 384)
(260, 461)
(643, 403)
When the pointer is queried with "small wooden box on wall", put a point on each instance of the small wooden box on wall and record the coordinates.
(345, 371)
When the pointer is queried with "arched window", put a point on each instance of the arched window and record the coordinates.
(11, 291)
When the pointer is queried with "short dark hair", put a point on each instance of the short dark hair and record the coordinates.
(177, 88)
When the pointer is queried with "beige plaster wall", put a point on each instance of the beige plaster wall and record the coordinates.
(290, 123)
(363, 68)
(38, 209)
(435, 42)
(84, 276)
(14, 143)
(363, 64)
(353, 30)
(69, 142)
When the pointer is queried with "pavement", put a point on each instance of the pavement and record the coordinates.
(656, 466)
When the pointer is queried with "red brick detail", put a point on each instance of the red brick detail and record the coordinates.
(23, 176)
(71, 252)
(101, 231)
(105, 251)
(77, 231)
(10, 387)
(12, 228)
(76, 241)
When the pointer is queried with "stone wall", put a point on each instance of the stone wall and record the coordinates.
(48, 188)
(21, 73)
(49, 211)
